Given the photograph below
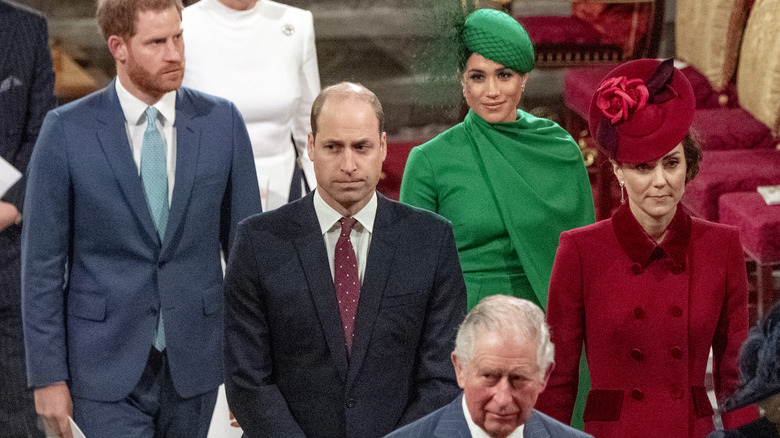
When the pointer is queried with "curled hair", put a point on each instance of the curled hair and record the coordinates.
(118, 17)
(510, 317)
(693, 155)
(344, 90)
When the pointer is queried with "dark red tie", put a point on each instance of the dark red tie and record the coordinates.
(346, 279)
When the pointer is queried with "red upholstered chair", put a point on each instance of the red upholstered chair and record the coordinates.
(596, 33)
(759, 229)
(393, 168)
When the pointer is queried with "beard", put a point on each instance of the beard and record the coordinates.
(156, 83)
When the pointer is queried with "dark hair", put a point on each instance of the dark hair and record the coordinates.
(344, 90)
(693, 155)
(118, 17)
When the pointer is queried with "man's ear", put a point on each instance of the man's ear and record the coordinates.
(547, 375)
(118, 48)
(310, 145)
(460, 372)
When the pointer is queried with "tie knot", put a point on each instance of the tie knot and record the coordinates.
(151, 117)
(347, 223)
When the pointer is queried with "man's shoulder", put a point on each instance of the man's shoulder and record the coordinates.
(203, 102)
(553, 426)
(22, 14)
(452, 414)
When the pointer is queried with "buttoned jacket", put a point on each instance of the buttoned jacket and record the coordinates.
(648, 315)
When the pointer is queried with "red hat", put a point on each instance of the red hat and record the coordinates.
(642, 110)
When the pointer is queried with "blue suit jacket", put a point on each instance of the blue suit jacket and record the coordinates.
(94, 271)
(288, 370)
(449, 422)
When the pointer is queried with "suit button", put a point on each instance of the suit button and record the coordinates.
(637, 355)
(351, 402)
(677, 352)
(160, 264)
(637, 394)
(153, 311)
(636, 268)
(639, 313)
(676, 311)
(676, 392)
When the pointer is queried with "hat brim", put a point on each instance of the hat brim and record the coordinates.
(752, 393)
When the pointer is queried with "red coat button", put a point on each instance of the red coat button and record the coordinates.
(639, 313)
(636, 268)
(677, 352)
(637, 355)
(676, 392)
(676, 311)
(637, 394)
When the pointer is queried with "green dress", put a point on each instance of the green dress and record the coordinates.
(510, 189)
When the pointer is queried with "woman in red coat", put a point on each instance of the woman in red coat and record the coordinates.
(650, 290)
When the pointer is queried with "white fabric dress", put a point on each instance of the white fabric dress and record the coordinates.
(264, 60)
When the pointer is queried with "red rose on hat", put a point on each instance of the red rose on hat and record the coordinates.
(619, 97)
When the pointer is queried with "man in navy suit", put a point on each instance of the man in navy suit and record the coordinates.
(26, 94)
(132, 193)
(341, 307)
(503, 357)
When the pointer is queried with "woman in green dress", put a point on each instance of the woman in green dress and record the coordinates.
(509, 182)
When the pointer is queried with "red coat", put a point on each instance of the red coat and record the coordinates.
(648, 315)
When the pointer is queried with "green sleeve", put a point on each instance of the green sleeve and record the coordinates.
(418, 185)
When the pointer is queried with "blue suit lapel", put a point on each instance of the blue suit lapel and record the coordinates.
(187, 152)
(316, 267)
(113, 139)
(534, 427)
(452, 423)
(380, 256)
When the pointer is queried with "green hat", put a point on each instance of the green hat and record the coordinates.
(500, 38)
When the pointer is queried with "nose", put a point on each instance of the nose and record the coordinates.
(348, 162)
(174, 50)
(503, 393)
(492, 87)
(659, 177)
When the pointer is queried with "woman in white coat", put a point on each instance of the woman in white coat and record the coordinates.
(261, 55)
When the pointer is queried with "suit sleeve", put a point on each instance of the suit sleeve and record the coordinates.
(252, 393)
(242, 198)
(418, 185)
(730, 333)
(46, 235)
(310, 87)
(566, 317)
(40, 101)
(435, 379)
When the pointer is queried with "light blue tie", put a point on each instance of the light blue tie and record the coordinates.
(154, 175)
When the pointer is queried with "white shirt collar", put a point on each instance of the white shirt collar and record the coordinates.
(134, 107)
(328, 217)
(477, 432)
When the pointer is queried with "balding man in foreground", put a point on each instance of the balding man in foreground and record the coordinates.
(341, 307)
(503, 357)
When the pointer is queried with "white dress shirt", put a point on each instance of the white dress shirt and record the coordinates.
(360, 235)
(477, 432)
(135, 125)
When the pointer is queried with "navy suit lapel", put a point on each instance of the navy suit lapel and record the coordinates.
(316, 268)
(452, 423)
(187, 152)
(113, 139)
(380, 257)
(534, 427)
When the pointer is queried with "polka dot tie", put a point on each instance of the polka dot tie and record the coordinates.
(346, 279)
(154, 176)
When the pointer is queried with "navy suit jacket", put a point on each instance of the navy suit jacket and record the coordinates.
(26, 94)
(94, 271)
(449, 422)
(288, 372)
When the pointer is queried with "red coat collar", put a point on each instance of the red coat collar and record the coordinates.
(641, 249)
